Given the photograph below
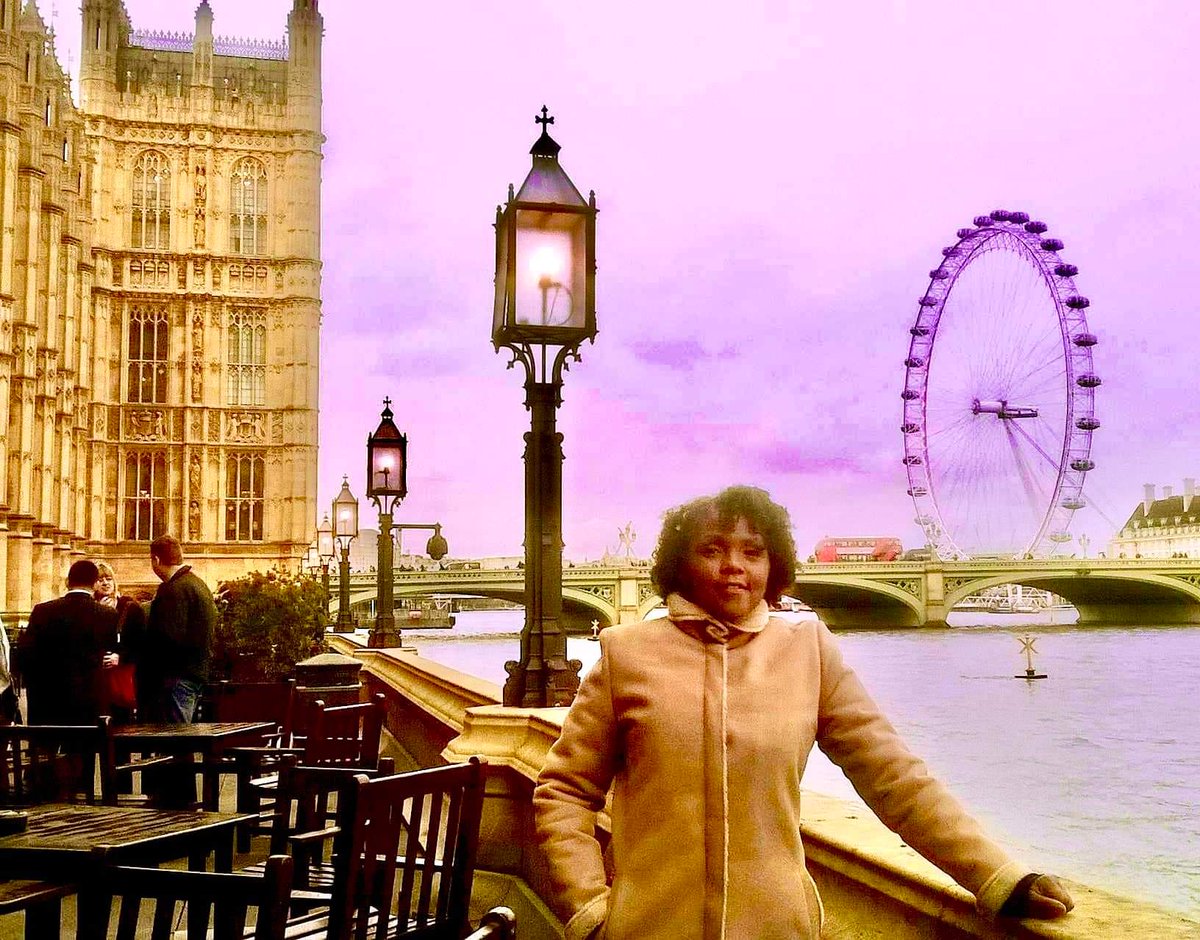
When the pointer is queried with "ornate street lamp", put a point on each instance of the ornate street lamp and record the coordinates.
(345, 530)
(545, 307)
(325, 553)
(387, 474)
(312, 562)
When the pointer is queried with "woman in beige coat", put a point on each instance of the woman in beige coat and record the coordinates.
(704, 721)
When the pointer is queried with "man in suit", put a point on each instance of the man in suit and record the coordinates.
(60, 653)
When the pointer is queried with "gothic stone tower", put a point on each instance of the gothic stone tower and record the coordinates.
(206, 205)
(46, 316)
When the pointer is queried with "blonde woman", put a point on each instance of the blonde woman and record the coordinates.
(118, 678)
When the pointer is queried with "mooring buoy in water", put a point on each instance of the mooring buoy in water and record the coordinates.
(1028, 648)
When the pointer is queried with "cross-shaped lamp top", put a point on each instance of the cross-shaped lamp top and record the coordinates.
(545, 119)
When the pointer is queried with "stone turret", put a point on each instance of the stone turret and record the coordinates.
(305, 29)
(105, 31)
(202, 46)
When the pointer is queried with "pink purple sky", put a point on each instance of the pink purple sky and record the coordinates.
(775, 180)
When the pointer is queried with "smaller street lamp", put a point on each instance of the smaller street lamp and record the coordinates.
(311, 563)
(345, 530)
(387, 485)
(325, 554)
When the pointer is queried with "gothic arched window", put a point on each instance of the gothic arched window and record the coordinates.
(244, 497)
(247, 362)
(248, 208)
(149, 332)
(151, 201)
(145, 502)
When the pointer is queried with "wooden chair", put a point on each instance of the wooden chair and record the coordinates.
(227, 896)
(345, 735)
(305, 821)
(404, 857)
(57, 764)
(53, 764)
(338, 736)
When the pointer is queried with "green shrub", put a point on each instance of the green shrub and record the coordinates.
(269, 622)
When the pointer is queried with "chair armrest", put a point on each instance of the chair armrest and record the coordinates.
(247, 752)
(317, 835)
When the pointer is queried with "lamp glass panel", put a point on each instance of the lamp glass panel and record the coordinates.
(550, 288)
(387, 467)
(325, 541)
(345, 518)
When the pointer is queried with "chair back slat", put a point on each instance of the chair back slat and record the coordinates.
(57, 763)
(406, 849)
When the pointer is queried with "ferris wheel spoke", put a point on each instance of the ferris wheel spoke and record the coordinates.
(1038, 447)
(1027, 481)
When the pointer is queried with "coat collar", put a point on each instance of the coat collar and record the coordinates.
(697, 622)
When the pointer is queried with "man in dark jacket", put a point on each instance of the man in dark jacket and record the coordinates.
(179, 636)
(59, 654)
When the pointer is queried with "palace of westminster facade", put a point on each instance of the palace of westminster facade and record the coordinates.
(159, 298)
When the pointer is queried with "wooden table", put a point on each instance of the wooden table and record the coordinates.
(60, 838)
(59, 845)
(209, 739)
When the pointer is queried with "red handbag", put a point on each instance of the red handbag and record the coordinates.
(120, 687)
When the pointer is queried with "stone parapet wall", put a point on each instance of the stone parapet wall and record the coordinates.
(873, 886)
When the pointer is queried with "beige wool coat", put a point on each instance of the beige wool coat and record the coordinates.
(705, 731)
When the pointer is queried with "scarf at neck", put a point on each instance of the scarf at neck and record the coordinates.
(698, 622)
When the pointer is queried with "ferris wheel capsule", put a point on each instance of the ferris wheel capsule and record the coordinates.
(998, 424)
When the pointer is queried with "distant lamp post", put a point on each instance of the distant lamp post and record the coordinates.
(312, 561)
(325, 554)
(345, 530)
(545, 307)
(387, 471)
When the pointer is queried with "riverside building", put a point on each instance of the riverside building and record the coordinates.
(1166, 526)
(159, 297)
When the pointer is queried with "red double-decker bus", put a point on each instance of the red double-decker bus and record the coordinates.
(863, 549)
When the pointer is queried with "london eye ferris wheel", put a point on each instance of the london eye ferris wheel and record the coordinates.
(999, 393)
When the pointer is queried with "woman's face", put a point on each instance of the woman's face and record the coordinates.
(726, 569)
(105, 585)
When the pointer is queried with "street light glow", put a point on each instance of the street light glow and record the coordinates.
(545, 262)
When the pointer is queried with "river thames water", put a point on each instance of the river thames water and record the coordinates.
(1092, 773)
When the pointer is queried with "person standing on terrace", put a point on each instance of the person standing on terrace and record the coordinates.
(704, 720)
(177, 650)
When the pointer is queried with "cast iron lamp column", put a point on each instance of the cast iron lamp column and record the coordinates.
(345, 530)
(545, 307)
(387, 471)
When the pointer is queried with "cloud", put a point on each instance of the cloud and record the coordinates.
(679, 355)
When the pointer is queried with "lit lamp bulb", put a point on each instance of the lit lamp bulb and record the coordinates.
(545, 263)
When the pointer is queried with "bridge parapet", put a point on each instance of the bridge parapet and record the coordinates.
(1104, 590)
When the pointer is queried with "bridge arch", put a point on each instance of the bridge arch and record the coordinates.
(1105, 596)
(848, 601)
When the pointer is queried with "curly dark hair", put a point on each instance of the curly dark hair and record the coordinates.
(764, 516)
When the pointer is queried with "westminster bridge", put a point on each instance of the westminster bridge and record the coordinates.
(857, 594)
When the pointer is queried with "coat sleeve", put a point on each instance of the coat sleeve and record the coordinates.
(571, 790)
(26, 656)
(898, 787)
